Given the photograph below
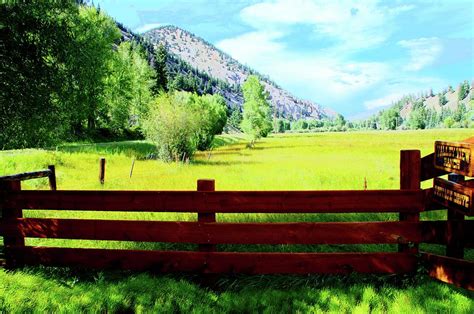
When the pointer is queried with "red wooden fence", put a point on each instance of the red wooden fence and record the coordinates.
(408, 232)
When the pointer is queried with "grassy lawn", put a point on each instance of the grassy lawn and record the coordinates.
(285, 162)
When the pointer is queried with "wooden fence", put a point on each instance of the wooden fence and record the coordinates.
(408, 232)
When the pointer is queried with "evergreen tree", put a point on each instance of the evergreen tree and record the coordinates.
(463, 90)
(161, 83)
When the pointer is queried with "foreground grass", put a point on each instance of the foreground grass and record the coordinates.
(285, 162)
(101, 292)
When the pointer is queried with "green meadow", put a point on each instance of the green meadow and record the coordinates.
(319, 161)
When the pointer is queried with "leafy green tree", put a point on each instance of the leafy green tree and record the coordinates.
(390, 119)
(449, 122)
(172, 125)
(340, 121)
(300, 124)
(128, 87)
(34, 50)
(417, 118)
(257, 121)
(211, 115)
(89, 64)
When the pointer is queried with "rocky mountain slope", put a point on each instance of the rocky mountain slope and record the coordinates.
(207, 59)
(450, 102)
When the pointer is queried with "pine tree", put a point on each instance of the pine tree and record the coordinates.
(161, 70)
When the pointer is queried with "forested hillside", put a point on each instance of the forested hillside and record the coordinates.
(450, 108)
(207, 59)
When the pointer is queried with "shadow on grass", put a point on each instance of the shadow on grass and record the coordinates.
(225, 140)
(136, 149)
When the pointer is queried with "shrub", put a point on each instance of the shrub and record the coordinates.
(172, 126)
(181, 122)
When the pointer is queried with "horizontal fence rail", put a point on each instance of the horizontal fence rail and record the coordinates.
(405, 201)
(450, 270)
(219, 233)
(219, 262)
(27, 175)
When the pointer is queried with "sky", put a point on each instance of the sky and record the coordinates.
(351, 56)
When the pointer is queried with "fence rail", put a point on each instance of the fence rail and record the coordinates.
(409, 201)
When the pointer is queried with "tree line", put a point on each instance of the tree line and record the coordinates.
(70, 72)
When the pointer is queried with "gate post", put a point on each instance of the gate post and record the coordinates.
(410, 174)
(10, 213)
(206, 186)
(455, 227)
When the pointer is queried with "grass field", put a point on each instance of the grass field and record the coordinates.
(284, 162)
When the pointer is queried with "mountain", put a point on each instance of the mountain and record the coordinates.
(206, 59)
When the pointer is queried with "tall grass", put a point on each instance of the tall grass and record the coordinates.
(284, 162)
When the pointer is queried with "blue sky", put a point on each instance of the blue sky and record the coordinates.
(352, 56)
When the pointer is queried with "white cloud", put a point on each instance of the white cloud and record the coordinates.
(147, 27)
(356, 25)
(423, 52)
(326, 78)
(331, 75)
(383, 101)
(407, 84)
(250, 47)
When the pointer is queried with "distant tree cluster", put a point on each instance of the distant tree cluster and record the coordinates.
(422, 117)
(330, 124)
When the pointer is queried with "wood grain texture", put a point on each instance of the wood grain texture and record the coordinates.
(409, 201)
(10, 213)
(450, 270)
(225, 233)
(27, 175)
(206, 186)
(410, 174)
(457, 157)
(428, 170)
(52, 178)
(456, 196)
(220, 262)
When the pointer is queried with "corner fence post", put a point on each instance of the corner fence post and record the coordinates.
(52, 178)
(10, 213)
(454, 227)
(410, 173)
(206, 186)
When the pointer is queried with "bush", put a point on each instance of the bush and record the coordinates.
(172, 126)
(211, 113)
(181, 122)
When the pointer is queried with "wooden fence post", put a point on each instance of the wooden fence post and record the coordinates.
(52, 178)
(410, 172)
(12, 212)
(454, 227)
(102, 170)
(206, 186)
